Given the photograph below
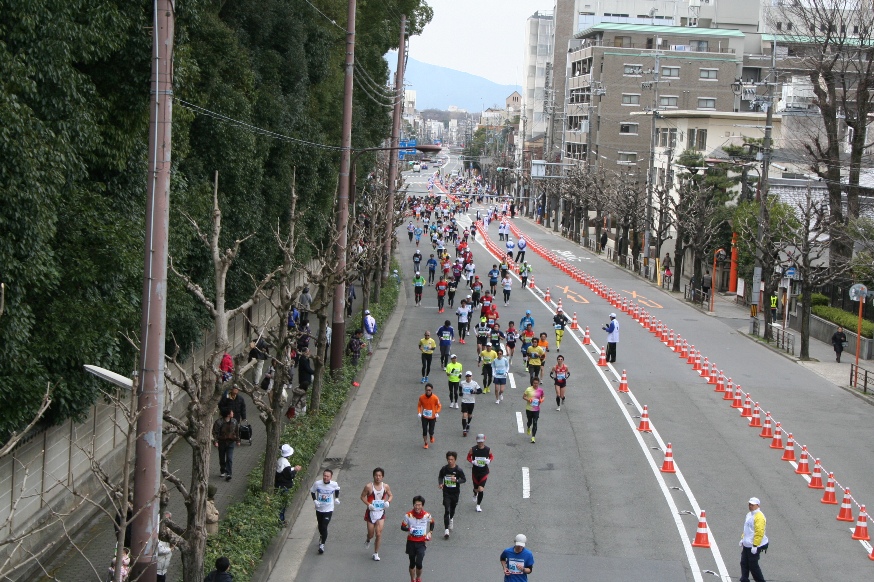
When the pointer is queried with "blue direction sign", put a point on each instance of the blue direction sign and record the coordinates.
(791, 272)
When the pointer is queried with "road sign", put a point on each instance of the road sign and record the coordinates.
(791, 272)
(858, 292)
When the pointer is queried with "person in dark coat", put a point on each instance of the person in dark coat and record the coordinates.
(233, 400)
(839, 338)
(221, 572)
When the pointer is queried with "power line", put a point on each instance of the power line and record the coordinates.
(328, 18)
(374, 86)
(253, 128)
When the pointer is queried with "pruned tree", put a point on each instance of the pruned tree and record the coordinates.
(627, 203)
(204, 388)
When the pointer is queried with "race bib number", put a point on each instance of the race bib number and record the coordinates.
(378, 504)
(557, 326)
(560, 376)
(480, 462)
(516, 566)
(535, 402)
(446, 336)
(467, 390)
(324, 497)
(418, 532)
(449, 481)
(428, 413)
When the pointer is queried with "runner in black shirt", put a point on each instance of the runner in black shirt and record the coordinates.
(450, 478)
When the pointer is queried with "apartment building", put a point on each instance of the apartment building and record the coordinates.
(538, 58)
(643, 68)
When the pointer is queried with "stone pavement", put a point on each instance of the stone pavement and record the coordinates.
(88, 560)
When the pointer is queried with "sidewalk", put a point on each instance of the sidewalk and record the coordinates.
(822, 355)
(88, 560)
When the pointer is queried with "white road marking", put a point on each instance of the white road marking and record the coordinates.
(526, 483)
(519, 424)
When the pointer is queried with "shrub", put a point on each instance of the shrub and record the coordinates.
(818, 299)
(843, 318)
(248, 526)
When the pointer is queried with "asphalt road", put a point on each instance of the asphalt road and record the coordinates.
(598, 506)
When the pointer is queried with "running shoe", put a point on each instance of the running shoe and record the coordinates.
(497, 401)
(446, 535)
(376, 557)
(425, 446)
(423, 379)
(479, 509)
(321, 548)
(451, 523)
(464, 433)
(426, 378)
(528, 431)
(367, 543)
(558, 409)
(532, 439)
(432, 438)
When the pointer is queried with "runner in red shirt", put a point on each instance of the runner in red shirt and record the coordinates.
(442, 286)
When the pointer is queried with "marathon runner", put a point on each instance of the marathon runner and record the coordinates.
(442, 287)
(418, 524)
(453, 374)
(450, 478)
(463, 314)
(511, 336)
(418, 286)
(376, 496)
(500, 371)
(482, 332)
(469, 389)
(534, 397)
(429, 411)
(535, 359)
(559, 322)
(524, 273)
(480, 457)
(445, 334)
(427, 345)
(559, 374)
(487, 356)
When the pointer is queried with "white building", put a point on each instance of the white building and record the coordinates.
(538, 54)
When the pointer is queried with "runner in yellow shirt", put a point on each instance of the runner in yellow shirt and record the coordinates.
(488, 355)
(427, 345)
(453, 373)
(535, 359)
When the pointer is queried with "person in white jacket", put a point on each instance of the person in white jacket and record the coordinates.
(165, 554)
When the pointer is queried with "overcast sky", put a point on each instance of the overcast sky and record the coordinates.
(481, 37)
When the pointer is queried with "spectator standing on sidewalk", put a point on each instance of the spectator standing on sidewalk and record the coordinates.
(369, 330)
(221, 572)
(353, 348)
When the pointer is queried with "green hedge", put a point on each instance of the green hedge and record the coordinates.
(843, 318)
(818, 299)
(248, 526)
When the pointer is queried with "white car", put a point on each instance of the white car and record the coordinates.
(417, 167)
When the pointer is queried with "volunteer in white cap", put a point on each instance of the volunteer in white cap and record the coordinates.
(517, 561)
(612, 330)
(284, 479)
(753, 543)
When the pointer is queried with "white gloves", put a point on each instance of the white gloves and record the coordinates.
(420, 415)
(371, 507)
(437, 415)
(385, 506)
(337, 501)
(740, 543)
(755, 549)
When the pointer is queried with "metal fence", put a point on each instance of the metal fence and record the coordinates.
(784, 339)
(694, 295)
(863, 377)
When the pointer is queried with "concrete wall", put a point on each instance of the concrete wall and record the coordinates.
(823, 331)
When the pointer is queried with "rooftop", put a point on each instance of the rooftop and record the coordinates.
(659, 30)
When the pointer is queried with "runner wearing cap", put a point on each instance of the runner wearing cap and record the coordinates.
(524, 271)
(559, 322)
(526, 319)
(482, 331)
(528, 338)
(429, 411)
(453, 374)
(511, 336)
(480, 457)
(376, 496)
(449, 479)
(469, 389)
(418, 285)
(463, 314)
(534, 397)
(488, 355)
(559, 374)
(517, 561)
(500, 371)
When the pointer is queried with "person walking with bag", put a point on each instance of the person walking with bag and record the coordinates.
(839, 340)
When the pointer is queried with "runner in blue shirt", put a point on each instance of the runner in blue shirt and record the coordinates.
(493, 279)
(517, 561)
(526, 319)
(418, 234)
(445, 335)
(432, 269)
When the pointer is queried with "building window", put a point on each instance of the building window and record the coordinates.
(697, 139)
(788, 26)
(631, 98)
(627, 158)
(779, 26)
(668, 101)
(628, 128)
(671, 72)
(701, 46)
(633, 70)
(709, 74)
(622, 41)
(706, 103)
(667, 137)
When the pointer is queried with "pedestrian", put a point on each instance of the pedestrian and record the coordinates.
(429, 411)
(418, 285)
(707, 282)
(603, 240)
(165, 554)
(234, 400)
(305, 301)
(500, 371)
(453, 375)
(353, 348)
(283, 480)
(559, 374)
(376, 496)
(479, 457)
(258, 351)
(612, 330)
(225, 436)
(521, 245)
(221, 572)
(839, 341)
(667, 264)
(754, 543)
(533, 395)
(427, 346)
(469, 389)
(450, 478)
(418, 524)
(370, 329)
(517, 561)
(212, 512)
(326, 495)
(350, 299)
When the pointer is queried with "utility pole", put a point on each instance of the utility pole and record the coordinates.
(395, 140)
(338, 325)
(150, 399)
(763, 187)
(652, 145)
(595, 90)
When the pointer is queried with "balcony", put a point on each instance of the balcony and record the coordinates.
(580, 81)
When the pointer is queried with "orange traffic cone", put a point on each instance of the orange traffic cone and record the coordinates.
(559, 304)
(789, 452)
(846, 511)
(671, 342)
(738, 400)
(756, 419)
(861, 532)
(767, 433)
(747, 410)
(729, 390)
(702, 538)
(803, 463)
(714, 375)
(668, 465)
(692, 356)
(602, 361)
(697, 364)
(816, 479)
(574, 323)
(644, 421)
(546, 297)
(623, 383)
(777, 441)
(684, 350)
(705, 369)
(586, 339)
(663, 335)
(531, 282)
(720, 383)
(829, 495)
(652, 323)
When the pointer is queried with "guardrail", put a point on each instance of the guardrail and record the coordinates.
(863, 377)
(693, 295)
(784, 339)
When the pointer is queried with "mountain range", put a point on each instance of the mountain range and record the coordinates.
(439, 87)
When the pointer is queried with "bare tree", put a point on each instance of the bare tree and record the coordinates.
(627, 202)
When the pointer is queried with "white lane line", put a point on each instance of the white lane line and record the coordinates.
(663, 486)
(526, 483)
(519, 424)
(512, 381)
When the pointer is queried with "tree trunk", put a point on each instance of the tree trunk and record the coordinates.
(195, 532)
(679, 254)
(806, 292)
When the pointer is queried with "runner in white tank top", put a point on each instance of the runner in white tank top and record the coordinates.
(376, 496)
